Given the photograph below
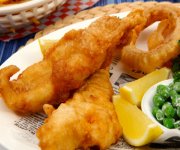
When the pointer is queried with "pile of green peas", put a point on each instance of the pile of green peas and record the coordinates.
(166, 105)
(166, 101)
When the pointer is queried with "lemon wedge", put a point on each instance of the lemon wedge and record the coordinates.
(138, 129)
(134, 91)
(46, 44)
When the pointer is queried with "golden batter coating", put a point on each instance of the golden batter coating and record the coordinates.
(65, 66)
(86, 120)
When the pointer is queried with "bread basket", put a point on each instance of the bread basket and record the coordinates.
(17, 15)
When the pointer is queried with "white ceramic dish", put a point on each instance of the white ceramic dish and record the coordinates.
(169, 135)
(17, 15)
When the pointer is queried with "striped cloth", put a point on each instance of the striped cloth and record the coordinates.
(8, 48)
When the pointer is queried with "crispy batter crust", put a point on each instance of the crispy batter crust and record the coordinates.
(166, 46)
(9, 1)
(66, 65)
(86, 120)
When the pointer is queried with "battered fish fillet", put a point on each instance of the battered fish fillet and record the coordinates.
(87, 120)
(65, 66)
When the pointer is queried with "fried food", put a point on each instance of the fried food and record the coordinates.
(166, 45)
(164, 31)
(8, 1)
(130, 35)
(4, 1)
(65, 66)
(85, 121)
(157, 37)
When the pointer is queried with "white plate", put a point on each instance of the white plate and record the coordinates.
(13, 137)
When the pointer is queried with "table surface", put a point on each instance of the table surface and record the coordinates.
(8, 48)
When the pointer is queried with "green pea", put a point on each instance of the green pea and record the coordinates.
(159, 115)
(158, 100)
(177, 124)
(171, 86)
(172, 93)
(163, 90)
(176, 86)
(168, 110)
(175, 100)
(160, 88)
(176, 76)
(154, 110)
(169, 122)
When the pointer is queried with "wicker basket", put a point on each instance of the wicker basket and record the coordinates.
(17, 15)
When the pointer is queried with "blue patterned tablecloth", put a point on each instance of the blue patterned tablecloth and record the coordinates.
(8, 48)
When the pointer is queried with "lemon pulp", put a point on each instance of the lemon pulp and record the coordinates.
(138, 129)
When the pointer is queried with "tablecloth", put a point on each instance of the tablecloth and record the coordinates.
(8, 48)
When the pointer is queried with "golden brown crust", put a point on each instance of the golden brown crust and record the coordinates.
(86, 120)
(66, 65)
(9, 1)
(165, 48)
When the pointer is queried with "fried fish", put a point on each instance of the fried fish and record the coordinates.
(65, 66)
(86, 120)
